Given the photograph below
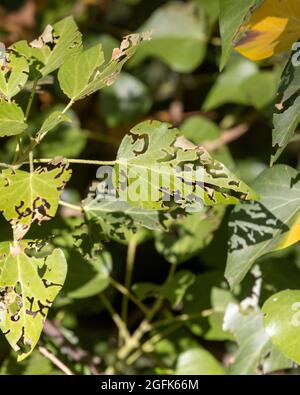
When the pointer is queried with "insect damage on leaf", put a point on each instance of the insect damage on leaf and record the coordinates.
(32, 197)
(48, 52)
(28, 287)
(156, 169)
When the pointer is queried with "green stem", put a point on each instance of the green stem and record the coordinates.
(150, 343)
(131, 251)
(31, 162)
(30, 101)
(123, 331)
(68, 106)
(145, 326)
(69, 205)
(79, 161)
(129, 295)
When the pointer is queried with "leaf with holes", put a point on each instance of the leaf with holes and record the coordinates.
(77, 71)
(28, 287)
(29, 197)
(118, 219)
(261, 227)
(287, 113)
(52, 48)
(156, 169)
(82, 75)
(13, 75)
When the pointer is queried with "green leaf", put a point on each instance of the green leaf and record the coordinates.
(198, 361)
(32, 197)
(178, 37)
(13, 76)
(78, 70)
(282, 320)
(51, 122)
(28, 288)
(187, 236)
(211, 10)
(94, 78)
(53, 47)
(232, 15)
(254, 343)
(287, 114)
(174, 289)
(118, 219)
(89, 275)
(211, 293)
(265, 226)
(156, 170)
(242, 83)
(11, 119)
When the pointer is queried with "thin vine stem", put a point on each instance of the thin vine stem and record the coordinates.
(123, 331)
(31, 97)
(78, 161)
(145, 326)
(123, 290)
(71, 206)
(131, 251)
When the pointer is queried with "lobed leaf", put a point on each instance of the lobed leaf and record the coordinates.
(32, 197)
(56, 44)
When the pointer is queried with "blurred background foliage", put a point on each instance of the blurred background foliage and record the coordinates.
(175, 78)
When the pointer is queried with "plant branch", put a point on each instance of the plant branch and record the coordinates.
(69, 205)
(79, 161)
(31, 97)
(129, 295)
(59, 364)
(145, 325)
(123, 331)
(131, 251)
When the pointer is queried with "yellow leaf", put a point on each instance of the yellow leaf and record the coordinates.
(273, 27)
(293, 235)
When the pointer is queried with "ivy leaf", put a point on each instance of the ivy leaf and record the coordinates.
(77, 71)
(13, 76)
(282, 321)
(232, 15)
(198, 361)
(28, 287)
(11, 119)
(287, 115)
(261, 227)
(56, 44)
(273, 27)
(188, 235)
(29, 197)
(157, 170)
(254, 343)
(178, 37)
